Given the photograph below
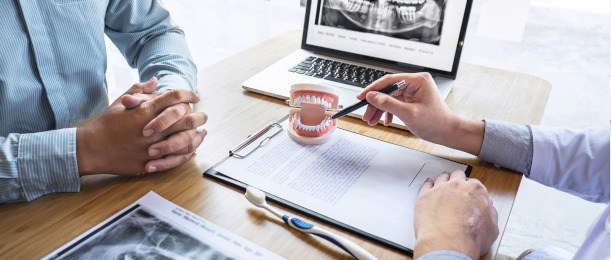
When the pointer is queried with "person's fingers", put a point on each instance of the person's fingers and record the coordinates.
(477, 185)
(134, 100)
(144, 87)
(458, 175)
(388, 119)
(171, 97)
(442, 178)
(173, 143)
(373, 115)
(474, 181)
(376, 117)
(150, 86)
(189, 121)
(166, 119)
(130, 101)
(131, 97)
(370, 111)
(201, 135)
(427, 184)
(387, 103)
(179, 143)
(167, 162)
(382, 83)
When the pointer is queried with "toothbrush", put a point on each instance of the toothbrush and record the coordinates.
(257, 198)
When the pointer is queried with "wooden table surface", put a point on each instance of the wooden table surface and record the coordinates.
(32, 230)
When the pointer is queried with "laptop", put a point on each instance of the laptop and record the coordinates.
(348, 44)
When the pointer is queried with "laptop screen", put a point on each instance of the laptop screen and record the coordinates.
(416, 34)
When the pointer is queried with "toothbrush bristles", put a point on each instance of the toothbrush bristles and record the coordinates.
(255, 196)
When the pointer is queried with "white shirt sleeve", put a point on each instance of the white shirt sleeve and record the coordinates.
(573, 161)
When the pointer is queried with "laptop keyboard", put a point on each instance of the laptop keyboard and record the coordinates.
(338, 71)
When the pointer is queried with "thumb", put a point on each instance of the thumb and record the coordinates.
(149, 86)
(385, 102)
(145, 87)
(130, 101)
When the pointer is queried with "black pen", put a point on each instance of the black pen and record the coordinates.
(362, 103)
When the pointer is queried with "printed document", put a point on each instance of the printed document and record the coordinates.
(362, 182)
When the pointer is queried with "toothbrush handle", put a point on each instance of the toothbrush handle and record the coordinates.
(345, 244)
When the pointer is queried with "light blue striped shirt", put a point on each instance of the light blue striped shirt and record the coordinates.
(52, 66)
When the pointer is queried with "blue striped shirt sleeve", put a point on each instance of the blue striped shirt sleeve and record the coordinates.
(150, 41)
(36, 164)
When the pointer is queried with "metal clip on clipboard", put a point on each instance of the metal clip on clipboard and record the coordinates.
(250, 144)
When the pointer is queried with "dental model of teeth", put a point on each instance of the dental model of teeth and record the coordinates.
(312, 99)
(312, 128)
(309, 116)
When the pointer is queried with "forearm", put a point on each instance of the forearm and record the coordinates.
(32, 165)
(168, 58)
(151, 42)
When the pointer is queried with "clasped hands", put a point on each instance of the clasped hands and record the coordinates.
(142, 131)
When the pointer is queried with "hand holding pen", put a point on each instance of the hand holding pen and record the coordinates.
(387, 90)
(370, 94)
(418, 104)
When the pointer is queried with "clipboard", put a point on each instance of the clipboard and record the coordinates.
(253, 142)
(259, 139)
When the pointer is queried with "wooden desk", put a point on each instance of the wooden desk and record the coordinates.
(32, 230)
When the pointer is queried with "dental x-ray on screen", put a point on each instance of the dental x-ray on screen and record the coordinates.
(414, 20)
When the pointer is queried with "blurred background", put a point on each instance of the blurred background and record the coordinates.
(564, 42)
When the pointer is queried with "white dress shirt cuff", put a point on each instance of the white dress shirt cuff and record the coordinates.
(507, 145)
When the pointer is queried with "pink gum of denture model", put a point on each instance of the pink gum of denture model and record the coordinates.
(309, 119)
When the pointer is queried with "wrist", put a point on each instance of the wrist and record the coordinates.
(85, 152)
(465, 135)
(462, 245)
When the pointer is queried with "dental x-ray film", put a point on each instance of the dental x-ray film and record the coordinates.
(413, 20)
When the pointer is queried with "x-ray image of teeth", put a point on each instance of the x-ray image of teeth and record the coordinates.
(141, 235)
(414, 20)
